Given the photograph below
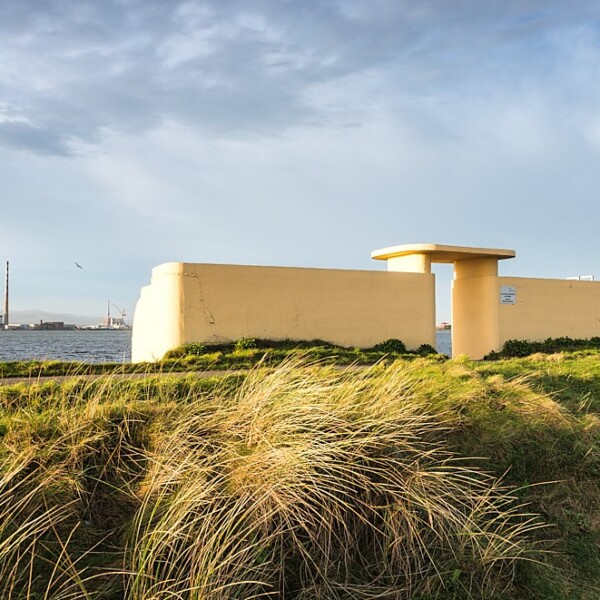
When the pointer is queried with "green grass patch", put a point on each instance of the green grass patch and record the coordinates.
(242, 354)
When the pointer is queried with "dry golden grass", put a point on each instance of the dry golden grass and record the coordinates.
(311, 483)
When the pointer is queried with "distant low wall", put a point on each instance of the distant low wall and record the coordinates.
(214, 303)
(546, 308)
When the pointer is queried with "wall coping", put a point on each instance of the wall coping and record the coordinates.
(440, 253)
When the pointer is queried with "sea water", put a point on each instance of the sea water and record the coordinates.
(89, 346)
(443, 341)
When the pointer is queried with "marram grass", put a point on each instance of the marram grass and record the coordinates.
(302, 482)
(312, 484)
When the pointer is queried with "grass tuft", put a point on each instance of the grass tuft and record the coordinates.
(310, 483)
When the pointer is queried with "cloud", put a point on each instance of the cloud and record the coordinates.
(257, 68)
(24, 136)
(301, 133)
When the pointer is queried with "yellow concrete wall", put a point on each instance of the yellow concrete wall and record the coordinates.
(214, 303)
(549, 308)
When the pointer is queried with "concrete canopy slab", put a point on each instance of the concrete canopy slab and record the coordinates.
(440, 253)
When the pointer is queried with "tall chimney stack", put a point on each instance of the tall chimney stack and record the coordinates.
(6, 298)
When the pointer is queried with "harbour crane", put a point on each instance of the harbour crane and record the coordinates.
(123, 313)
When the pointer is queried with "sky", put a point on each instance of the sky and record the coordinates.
(293, 133)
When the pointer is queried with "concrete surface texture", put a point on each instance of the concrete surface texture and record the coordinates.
(215, 303)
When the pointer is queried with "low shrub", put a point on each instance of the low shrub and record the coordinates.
(245, 344)
(392, 345)
(426, 350)
(522, 348)
(195, 349)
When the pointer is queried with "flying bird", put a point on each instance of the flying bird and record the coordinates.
(78, 265)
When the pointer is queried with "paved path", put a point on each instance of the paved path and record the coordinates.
(121, 376)
(34, 379)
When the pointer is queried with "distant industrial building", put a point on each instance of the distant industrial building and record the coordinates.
(52, 326)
